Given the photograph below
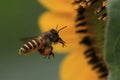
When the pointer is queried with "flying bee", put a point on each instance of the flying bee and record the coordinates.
(43, 43)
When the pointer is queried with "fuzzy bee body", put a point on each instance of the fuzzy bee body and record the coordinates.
(43, 43)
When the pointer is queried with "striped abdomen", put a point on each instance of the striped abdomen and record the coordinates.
(30, 46)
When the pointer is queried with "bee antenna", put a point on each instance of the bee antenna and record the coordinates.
(57, 27)
(61, 29)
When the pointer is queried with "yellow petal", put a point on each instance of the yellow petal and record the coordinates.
(75, 67)
(58, 5)
(49, 20)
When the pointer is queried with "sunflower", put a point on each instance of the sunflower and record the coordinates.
(61, 12)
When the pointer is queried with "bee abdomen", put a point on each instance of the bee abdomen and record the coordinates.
(29, 46)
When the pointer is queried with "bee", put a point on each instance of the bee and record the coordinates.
(43, 43)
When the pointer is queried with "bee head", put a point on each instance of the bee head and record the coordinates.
(55, 34)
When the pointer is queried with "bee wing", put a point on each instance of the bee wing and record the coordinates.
(26, 39)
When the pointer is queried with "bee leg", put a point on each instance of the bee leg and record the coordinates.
(48, 51)
(48, 57)
(45, 57)
(62, 42)
(51, 48)
(41, 50)
(52, 54)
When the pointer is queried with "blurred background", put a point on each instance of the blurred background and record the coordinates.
(18, 19)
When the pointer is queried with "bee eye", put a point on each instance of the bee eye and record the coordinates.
(54, 32)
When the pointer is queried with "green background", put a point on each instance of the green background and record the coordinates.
(18, 19)
(112, 49)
